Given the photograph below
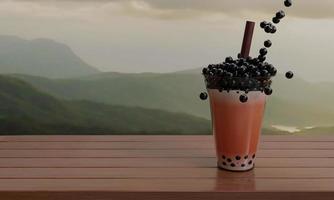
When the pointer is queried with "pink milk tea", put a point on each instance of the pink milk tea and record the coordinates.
(236, 127)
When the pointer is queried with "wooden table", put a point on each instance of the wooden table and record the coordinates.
(160, 167)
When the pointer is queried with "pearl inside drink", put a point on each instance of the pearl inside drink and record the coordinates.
(236, 127)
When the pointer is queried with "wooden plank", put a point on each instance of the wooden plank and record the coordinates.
(166, 173)
(157, 162)
(169, 185)
(167, 153)
(104, 195)
(110, 138)
(156, 145)
(297, 145)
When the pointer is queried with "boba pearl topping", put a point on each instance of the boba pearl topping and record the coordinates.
(245, 75)
(240, 74)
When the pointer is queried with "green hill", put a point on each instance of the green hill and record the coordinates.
(294, 103)
(172, 92)
(41, 57)
(25, 110)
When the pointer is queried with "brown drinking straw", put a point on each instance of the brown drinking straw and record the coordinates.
(247, 42)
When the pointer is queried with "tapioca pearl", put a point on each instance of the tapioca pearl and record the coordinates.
(250, 162)
(203, 96)
(288, 3)
(280, 14)
(263, 24)
(267, 43)
(229, 160)
(243, 98)
(224, 157)
(289, 75)
(243, 165)
(238, 158)
(268, 29)
(246, 157)
(253, 156)
(263, 51)
(232, 165)
(276, 20)
(224, 163)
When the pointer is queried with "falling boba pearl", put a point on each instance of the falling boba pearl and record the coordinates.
(289, 75)
(267, 29)
(205, 71)
(203, 96)
(276, 20)
(263, 51)
(263, 24)
(268, 91)
(288, 3)
(280, 14)
(243, 98)
(273, 30)
(267, 43)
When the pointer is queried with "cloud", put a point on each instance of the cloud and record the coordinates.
(180, 9)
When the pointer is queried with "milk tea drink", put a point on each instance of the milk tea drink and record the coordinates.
(236, 128)
(237, 89)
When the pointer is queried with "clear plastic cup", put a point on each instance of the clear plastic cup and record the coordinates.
(236, 127)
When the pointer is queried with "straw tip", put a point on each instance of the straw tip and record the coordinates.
(250, 22)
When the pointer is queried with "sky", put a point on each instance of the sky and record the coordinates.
(174, 35)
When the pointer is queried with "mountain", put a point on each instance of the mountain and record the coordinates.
(294, 103)
(25, 110)
(171, 92)
(41, 57)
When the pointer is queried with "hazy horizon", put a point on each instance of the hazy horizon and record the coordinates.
(166, 36)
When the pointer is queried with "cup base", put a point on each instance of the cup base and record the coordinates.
(236, 169)
(236, 166)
